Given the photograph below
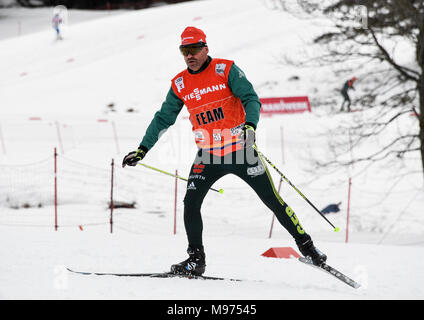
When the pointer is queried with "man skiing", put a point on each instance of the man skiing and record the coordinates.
(224, 112)
(346, 86)
(56, 21)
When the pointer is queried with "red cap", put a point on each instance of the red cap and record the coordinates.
(354, 78)
(192, 35)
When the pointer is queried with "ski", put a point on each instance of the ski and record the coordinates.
(152, 275)
(330, 270)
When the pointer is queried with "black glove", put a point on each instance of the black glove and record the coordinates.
(133, 157)
(248, 135)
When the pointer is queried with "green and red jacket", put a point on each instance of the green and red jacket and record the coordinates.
(219, 99)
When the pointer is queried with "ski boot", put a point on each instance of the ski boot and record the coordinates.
(309, 251)
(194, 265)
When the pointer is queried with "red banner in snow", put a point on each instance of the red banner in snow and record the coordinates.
(285, 105)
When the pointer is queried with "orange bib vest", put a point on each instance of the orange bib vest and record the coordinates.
(216, 114)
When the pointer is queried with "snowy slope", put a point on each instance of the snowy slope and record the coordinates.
(128, 60)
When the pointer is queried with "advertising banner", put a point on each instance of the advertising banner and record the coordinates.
(272, 106)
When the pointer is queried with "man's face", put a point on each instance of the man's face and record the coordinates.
(195, 61)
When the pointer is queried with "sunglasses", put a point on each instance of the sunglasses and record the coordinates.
(192, 49)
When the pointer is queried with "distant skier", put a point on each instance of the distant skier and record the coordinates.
(347, 86)
(56, 22)
(334, 207)
(224, 111)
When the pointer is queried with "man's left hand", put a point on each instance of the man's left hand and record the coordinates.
(248, 135)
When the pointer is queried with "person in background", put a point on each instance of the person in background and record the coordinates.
(346, 87)
(334, 207)
(56, 22)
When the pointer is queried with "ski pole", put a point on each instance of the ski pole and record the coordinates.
(336, 229)
(174, 175)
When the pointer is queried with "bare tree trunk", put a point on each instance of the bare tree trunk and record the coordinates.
(420, 60)
(421, 117)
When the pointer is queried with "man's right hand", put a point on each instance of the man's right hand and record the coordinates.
(133, 157)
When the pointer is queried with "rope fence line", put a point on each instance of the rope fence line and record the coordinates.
(27, 164)
(72, 175)
(87, 184)
(30, 186)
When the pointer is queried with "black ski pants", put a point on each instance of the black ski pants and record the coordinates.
(346, 99)
(246, 164)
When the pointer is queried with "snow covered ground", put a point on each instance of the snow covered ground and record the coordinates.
(38, 269)
(81, 91)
